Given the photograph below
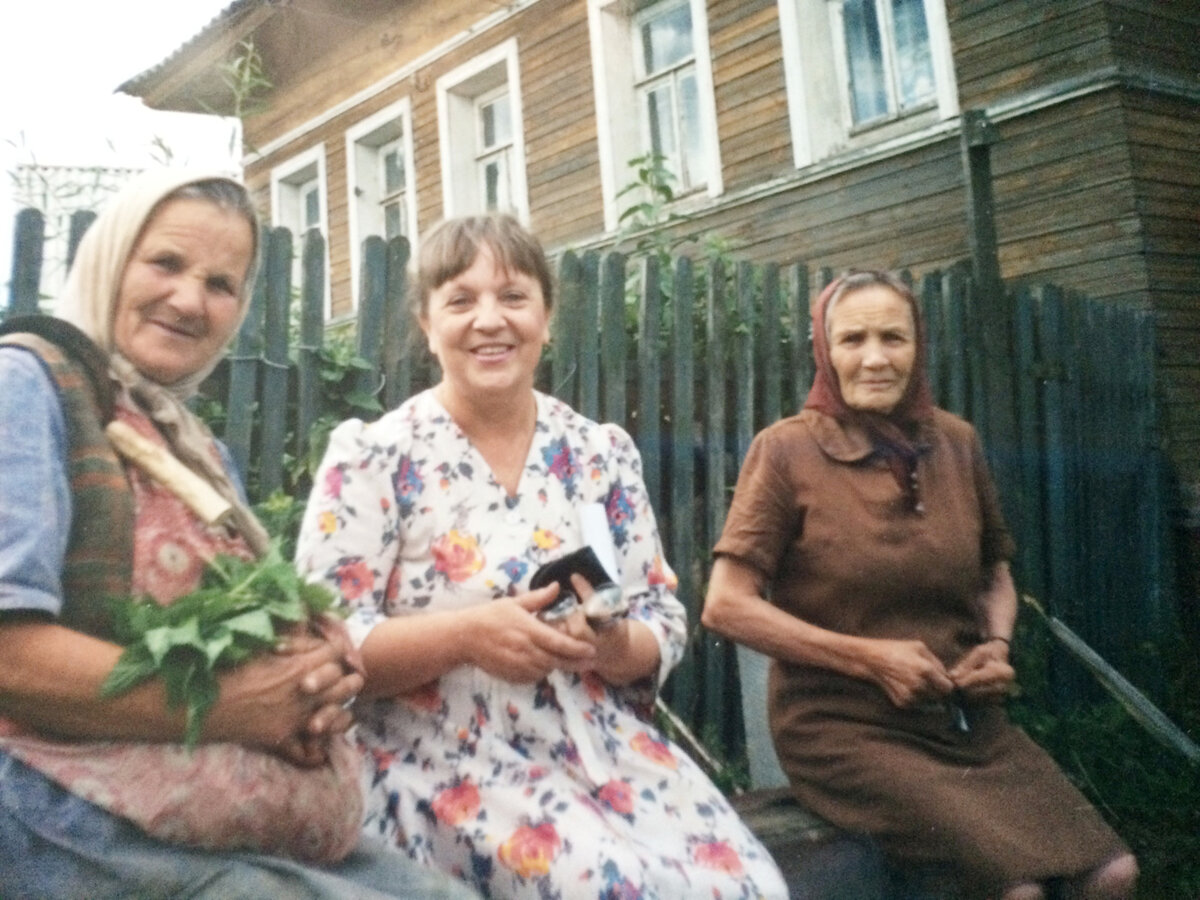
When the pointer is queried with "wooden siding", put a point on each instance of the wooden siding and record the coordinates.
(561, 153)
(752, 114)
(1160, 34)
(384, 37)
(1003, 47)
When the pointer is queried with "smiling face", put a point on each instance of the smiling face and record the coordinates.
(179, 301)
(487, 327)
(872, 346)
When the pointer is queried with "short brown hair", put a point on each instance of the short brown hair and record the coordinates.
(450, 248)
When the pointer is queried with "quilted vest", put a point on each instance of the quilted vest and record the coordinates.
(99, 558)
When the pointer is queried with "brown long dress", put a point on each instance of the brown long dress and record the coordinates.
(840, 546)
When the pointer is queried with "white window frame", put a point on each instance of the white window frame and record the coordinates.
(498, 151)
(618, 116)
(458, 92)
(815, 72)
(364, 141)
(646, 82)
(287, 182)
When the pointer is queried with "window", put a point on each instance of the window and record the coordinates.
(888, 58)
(494, 138)
(654, 94)
(482, 136)
(379, 175)
(668, 100)
(393, 176)
(861, 72)
(298, 204)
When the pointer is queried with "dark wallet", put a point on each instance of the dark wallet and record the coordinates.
(605, 605)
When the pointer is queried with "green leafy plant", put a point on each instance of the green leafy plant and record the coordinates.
(234, 614)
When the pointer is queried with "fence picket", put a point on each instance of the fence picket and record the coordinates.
(312, 337)
(29, 236)
(715, 438)
(679, 520)
(612, 336)
(649, 380)
(274, 396)
(243, 370)
(568, 329)
(371, 298)
(770, 352)
(399, 341)
(81, 221)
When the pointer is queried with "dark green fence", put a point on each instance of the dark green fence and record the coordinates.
(694, 358)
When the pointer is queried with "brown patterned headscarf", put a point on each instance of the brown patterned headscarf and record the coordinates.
(895, 435)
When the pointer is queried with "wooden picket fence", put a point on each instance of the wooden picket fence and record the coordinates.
(694, 358)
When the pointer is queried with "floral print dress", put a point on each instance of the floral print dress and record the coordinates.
(560, 788)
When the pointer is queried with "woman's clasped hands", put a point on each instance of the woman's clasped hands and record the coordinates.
(909, 672)
(290, 702)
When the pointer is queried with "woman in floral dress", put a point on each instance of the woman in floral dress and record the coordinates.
(513, 753)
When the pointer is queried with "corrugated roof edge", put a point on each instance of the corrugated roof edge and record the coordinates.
(220, 20)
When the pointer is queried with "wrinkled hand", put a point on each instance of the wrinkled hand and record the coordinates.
(908, 672)
(290, 702)
(509, 641)
(984, 672)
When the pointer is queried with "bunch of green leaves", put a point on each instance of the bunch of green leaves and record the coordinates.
(235, 614)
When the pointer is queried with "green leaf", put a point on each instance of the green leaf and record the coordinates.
(256, 624)
(363, 400)
(229, 619)
(133, 667)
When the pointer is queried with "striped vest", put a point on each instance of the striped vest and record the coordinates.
(99, 556)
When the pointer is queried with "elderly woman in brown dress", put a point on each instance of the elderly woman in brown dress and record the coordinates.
(866, 553)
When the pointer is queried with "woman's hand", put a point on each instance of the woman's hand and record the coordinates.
(626, 650)
(508, 640)
(907, 671)
(290, 702)
(984, 672)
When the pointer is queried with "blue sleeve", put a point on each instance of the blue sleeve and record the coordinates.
(231, 469)
(35, 496)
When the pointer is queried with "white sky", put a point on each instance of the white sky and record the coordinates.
(60, 63)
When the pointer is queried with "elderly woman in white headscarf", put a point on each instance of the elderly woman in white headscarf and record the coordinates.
(99, 797)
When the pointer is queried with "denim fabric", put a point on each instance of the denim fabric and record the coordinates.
(56, 846)
(35, 499)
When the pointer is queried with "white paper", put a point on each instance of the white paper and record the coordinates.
(593, 524)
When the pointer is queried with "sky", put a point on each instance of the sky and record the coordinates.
(60, 64)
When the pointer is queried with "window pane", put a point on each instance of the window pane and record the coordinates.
(864, 55)
(661, 124)
(393, 220)
(491, 184)
(914, 62)
(667, 38)
(495, 183)
(694, 162)
(312, 207)
(487, 121)
(393, 170)
(495, 122)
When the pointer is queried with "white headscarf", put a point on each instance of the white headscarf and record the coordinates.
(89, 298)
(89, 301)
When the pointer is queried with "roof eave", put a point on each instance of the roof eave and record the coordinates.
(189, 80)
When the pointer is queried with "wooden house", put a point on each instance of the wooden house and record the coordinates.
(829, 131)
